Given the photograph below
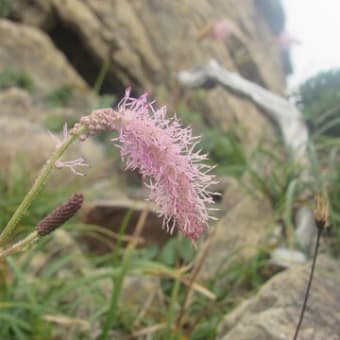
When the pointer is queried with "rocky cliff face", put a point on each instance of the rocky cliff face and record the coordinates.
(273, 313)
(145, 43)
(148, 41)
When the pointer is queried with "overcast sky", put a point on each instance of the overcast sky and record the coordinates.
(316, 23)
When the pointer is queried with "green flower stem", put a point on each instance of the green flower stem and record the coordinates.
(19, 246)
(117, 285)
(171, 332)
(118, 280)
(36, 188)
(101, 76)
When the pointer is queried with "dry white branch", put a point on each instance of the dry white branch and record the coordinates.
(284, 113)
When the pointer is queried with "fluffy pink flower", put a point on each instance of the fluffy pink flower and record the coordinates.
(163, 152)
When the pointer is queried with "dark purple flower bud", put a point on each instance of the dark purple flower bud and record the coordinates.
(60, 215)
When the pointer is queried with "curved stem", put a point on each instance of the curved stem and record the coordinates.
(101, 76)
(19, 246)
(195, 272)
(117, 281)
(35, 189)
(311, 275)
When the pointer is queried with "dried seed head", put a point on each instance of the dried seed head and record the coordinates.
(60, 215)
(321, 212)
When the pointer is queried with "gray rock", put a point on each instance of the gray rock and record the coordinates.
(273, 313)
(31, 144)
(285, 257)
(28, 50)
(242, 228)
(148, 42)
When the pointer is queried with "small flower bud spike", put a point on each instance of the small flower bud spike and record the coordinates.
(60, 215)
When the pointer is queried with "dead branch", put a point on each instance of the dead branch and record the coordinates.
(284, 113)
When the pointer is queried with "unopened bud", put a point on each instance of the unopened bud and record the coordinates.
(60, 215)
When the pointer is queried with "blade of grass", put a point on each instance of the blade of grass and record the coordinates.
(117, 281)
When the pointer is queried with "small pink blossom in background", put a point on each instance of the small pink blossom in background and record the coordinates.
(286, 41)
(164, 153)
(221, 29)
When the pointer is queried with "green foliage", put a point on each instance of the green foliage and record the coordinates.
(334, 197)
(23, 301)
(55, 123)
(62, 289)
(10, 78)
(224, 148)
(325, 158)
(191, 118)
(5, 8)
(249, 275)
(319, 98)
(60, 97)
(273, 175)
(14, 185)
(105, 100)
(177, 250)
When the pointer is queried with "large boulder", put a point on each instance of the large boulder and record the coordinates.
(151, 39)
(25, 138)
(145, 44)
(29, 51)
(242, 229)
(274, 311)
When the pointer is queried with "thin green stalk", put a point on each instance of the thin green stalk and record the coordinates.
(117, 281)
(117, 284)
(122, 229)
(196, 271)
(35, 189)
(101, 76)
(19, 246)
(171, 332)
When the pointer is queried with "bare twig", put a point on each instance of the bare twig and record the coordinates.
(285, 114)
(309, 285)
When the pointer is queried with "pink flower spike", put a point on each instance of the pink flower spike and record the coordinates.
(163, 152)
